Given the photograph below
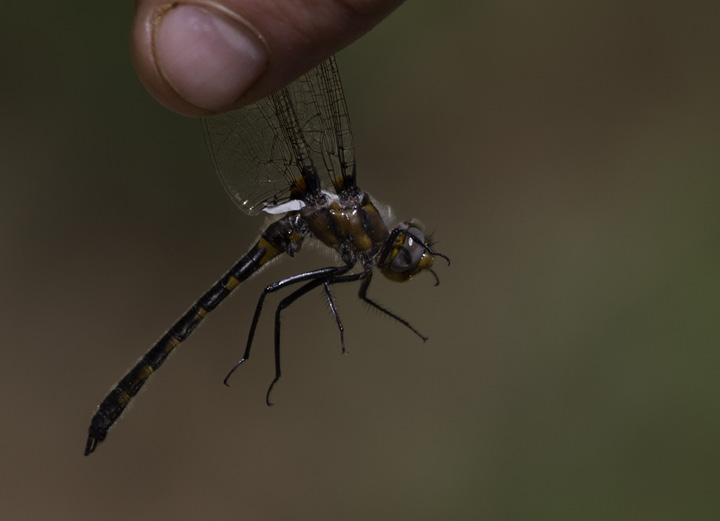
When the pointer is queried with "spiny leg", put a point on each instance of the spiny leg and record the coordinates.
(367, 277)
(283, 304)
(296, 295)
(333, 309)
(339, 278)
(320, 274)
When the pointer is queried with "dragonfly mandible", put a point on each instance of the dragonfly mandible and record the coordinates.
(290, 155)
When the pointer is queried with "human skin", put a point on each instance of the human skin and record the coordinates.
(200, 57)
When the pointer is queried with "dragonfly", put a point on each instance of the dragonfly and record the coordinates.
(291, 155)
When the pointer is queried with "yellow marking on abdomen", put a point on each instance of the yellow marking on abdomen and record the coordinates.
(123, 397)
(231, 283)
(270, 250)
(171, 344)
(145, 373)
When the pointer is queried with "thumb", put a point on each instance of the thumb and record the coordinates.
(199, 57)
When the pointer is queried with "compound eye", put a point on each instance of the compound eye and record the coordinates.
(408, 255)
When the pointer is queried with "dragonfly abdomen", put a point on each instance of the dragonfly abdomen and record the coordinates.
(279, 238)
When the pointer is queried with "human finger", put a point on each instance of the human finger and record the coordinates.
(199, 57)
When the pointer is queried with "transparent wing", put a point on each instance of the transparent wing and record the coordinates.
(286, 146)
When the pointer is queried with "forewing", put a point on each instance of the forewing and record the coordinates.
(286, 145)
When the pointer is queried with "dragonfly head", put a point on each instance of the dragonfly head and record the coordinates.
(407, 253)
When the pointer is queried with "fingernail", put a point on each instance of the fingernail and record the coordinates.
(208, 57)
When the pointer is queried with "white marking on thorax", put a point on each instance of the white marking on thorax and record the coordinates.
(291, 206)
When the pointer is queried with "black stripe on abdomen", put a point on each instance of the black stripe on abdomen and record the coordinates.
(117, 400)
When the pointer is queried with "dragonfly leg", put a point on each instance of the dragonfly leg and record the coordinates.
(367, 278)
(337, 278)
(317, 276)
(333, 309)
(283, 304)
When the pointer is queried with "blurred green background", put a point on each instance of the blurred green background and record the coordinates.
(565, 154)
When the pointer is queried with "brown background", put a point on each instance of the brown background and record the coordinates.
(566, 156)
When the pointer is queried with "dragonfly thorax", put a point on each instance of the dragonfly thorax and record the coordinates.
(352, 227)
